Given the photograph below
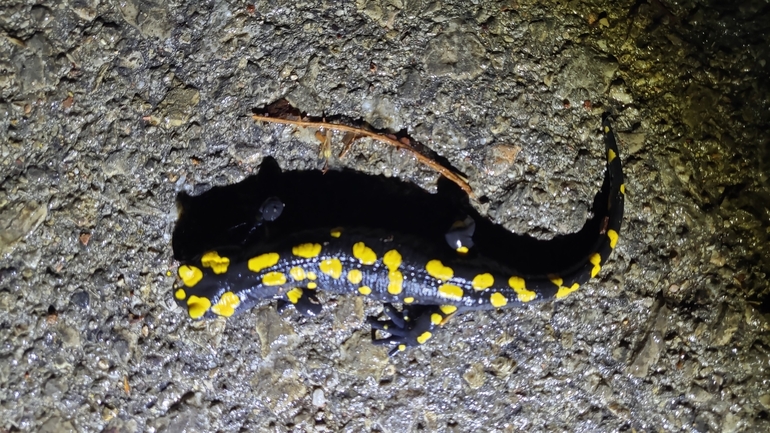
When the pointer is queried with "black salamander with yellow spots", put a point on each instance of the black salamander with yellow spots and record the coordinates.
(431, 280)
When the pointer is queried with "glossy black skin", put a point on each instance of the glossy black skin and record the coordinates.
(229, 216)
(247, 219)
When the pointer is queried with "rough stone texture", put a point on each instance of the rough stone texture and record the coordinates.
(107, 108)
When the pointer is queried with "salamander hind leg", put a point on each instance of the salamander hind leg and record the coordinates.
(411, 327)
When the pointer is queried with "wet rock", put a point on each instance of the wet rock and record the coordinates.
(458, 55)
(381, 114)
(272, 329)
(474, 376)
(177, 107)
(19, 221)
(150, 17)
(81, 299)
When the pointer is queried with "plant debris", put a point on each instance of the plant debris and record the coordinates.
(282, 112)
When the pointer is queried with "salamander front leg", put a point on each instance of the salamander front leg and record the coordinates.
(411, 327)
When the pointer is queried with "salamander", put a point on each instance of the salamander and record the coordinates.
(434, 272)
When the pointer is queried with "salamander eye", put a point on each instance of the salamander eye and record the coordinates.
(460, 236)
(271, 209)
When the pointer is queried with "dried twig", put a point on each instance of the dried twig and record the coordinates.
(379, 137)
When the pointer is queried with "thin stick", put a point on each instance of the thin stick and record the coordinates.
(379, 137)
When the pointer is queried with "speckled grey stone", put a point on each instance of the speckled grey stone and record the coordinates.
(18, 221)
(107, 109)
(456, 54)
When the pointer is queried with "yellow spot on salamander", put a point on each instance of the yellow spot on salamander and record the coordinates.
(611, 155)
(311, 285)
(564, 291)
(336, 232)
(596, 260)
(519, 286)
(437, 270)
(392, 259)
(402, 347)
(606, 129)
(297, 273)
(447, 309)
(273, 279)
(395, 282)
(450, 291)
(425, 336)
(517, 283)
(613, 235)
(408, 300)
(217, 264)
(462, 250)
(180, 294)
(226, 305)
(197, 307)
(355, 276)
(263, 261)
(294, 295)
(190, 275)
(482, 281)
(498, 300)
(364, 290)
(623, 188)
(311, 275)
(331, 267)
(364, 253)
(307, 251)
(436, 318)
(556, 280)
